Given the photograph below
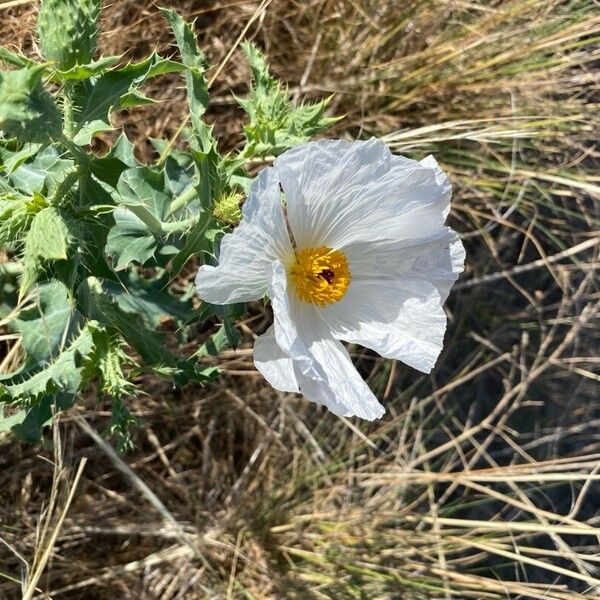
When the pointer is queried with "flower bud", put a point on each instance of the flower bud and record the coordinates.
(227, 208)
(68, 31)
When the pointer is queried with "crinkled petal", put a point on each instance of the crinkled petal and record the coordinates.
(394, 304)
(276, 366)
(260, 238)
(339, 193)
(322, 366)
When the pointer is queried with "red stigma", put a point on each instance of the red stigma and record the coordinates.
(328, 275)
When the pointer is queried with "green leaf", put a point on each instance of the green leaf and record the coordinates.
(57, 345)
(142, 187)
(227, 336)
(7, 422)
(43, 174)
(47, 240)
(179, 172)
(27, 111)
(276, 123)
(195, 62)
(80, 72)
(40, 414)
(15, 58)
(111, 358)
(13, 160)
(63, 374)
(129, 240)
(149, 298)
(120, 426)
(16, 213)
(141, 219)
(147, 343)
(196, 241)
(207, 178)
(44, 327)
(48, 237)
(85, 134)
(92, 238)
(116, 89)
(109, 168)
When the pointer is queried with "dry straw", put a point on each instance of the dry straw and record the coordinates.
(482, 482)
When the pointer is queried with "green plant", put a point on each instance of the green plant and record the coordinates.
(95, 240)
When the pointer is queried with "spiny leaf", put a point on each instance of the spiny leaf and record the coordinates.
(194, 60)
(227, 336)
(43, 174)
(111, 358)
(276, 123)
(144, 187)
(138, 219)
(147, 343)
(15, 58)
(11, 160)
(10, 419)
(118, 88)
(120, 426)
(48, 239)
(109, 168)
(27, 111)
(57, 345)
(149, 298)
(79, 72)
(197, 87)
(129, 240)
(44, 326)
(63, 373)
(37, 416)
(16, 214)
(196, 241)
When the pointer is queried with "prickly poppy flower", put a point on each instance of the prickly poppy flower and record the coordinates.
(349, 243)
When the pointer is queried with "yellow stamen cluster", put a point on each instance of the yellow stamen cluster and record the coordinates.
(320, 275)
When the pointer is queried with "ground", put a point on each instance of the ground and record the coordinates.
(481, 480)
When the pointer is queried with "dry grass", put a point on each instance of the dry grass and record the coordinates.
(483, 480)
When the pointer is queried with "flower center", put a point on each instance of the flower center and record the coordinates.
(320, 275)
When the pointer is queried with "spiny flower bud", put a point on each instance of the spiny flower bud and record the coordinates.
(68, 31)
(227, 208)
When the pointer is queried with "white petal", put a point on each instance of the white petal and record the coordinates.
(275, 366)
(398, 319)
(339, 193)
(323, 369)
(260, 238)
(394, 304)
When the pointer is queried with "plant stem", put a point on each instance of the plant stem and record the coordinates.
(144, 215)
(179, 226)
(68, 113)
(184, 198)
(79, 155)
(67, 183)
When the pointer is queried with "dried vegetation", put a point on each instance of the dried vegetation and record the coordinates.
(482, 481)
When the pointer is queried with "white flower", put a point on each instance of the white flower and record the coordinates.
(355, 250)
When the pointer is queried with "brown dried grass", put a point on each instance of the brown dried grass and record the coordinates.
(482, 480)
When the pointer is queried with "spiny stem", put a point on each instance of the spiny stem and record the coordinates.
(66, 184)
(183, 199)
(144, 215)
(68, 111)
